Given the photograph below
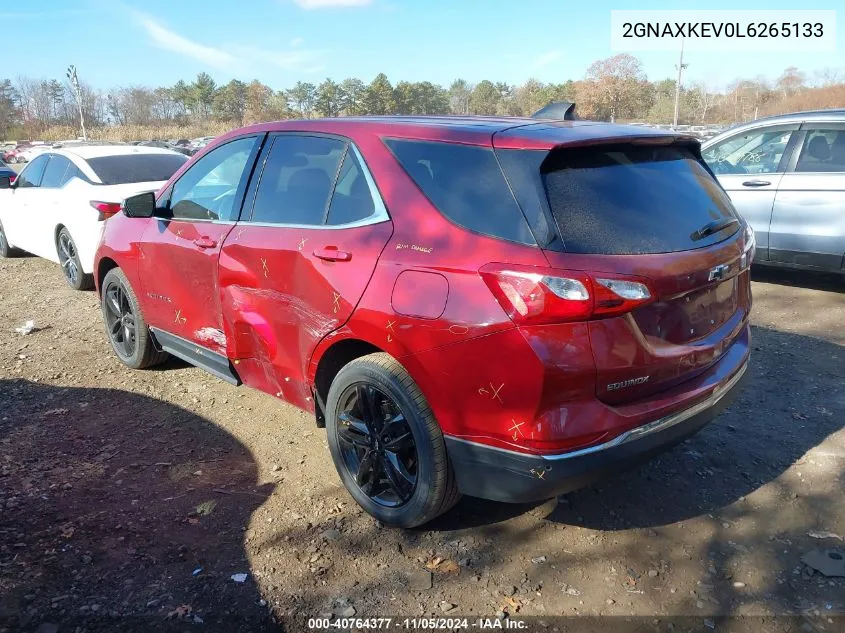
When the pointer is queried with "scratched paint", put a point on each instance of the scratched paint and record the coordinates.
(296, 310)
(211, 335)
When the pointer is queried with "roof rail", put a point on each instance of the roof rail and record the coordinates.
(564, 110)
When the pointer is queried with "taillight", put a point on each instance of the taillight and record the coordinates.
(12, 179)
(532, 295)
(106, 209)
(749, 248)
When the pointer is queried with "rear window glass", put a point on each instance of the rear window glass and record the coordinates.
(466, 185)
(127, 168)
(623, 199)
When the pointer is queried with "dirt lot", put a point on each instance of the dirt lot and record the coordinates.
(129, 499)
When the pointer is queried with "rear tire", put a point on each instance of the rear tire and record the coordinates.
(396, 468)
(75, 277)
(5, 249)
(126, 329)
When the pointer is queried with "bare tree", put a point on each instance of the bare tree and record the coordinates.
(615, 84)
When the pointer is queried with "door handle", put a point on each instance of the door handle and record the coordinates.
(331, 254)
(756, 183)
(205, 242)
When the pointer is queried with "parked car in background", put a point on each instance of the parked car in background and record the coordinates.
(786, 176)
(12, 155)
(7, 172)
(56, 207)
(500, 307)
(29, 153)
(199, 143)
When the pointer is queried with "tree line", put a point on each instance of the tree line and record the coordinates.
(615, 88)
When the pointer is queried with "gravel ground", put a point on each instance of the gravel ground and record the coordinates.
(129, 499)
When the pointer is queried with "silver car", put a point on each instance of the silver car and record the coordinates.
(786, 176)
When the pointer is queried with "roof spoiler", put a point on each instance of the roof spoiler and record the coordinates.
(560, 110)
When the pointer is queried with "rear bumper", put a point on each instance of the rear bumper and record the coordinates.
(503, 475)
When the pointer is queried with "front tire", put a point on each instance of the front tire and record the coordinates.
(125, 326)
(386, 445)
(75, 277)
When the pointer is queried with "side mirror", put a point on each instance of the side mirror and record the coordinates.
(5, 182)
(142, 205)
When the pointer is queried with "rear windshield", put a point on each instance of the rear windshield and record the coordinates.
(466, 185)
(624, 199)
(128, 168)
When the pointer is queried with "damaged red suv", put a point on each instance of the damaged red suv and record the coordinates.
(506, 308)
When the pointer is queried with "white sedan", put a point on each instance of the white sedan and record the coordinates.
(57, 206)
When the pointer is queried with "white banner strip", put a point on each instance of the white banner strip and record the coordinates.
(723, 30)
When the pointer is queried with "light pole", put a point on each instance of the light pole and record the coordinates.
(681, 65)
(74, 81)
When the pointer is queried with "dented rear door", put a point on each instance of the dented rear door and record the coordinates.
(293, 270)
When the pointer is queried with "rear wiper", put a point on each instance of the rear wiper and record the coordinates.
(713, 227)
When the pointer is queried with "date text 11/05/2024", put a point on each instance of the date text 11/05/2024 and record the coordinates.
(417, 624)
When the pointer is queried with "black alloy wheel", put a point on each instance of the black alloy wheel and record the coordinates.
(68, 258)
(377, 445)
(120, 319)
(76, 278)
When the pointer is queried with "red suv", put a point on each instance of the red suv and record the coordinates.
(499, 307)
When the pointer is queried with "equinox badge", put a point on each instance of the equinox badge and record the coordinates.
(628, 383)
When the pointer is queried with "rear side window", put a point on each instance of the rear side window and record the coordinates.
(352, 200)
(55, 173)
(74, 172)
(623, 199)
(466, 185)
(128, 168)
(823, 151)
(297, 180)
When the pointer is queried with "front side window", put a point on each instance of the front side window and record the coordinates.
(208, 189)
(752, 152)
(31, 176)
(297, 180)
(55, 172)
(823, 151)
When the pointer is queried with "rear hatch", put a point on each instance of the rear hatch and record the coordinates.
(644, 217)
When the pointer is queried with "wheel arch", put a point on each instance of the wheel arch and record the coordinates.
(56, 232)
(328, 361)
(103, 267)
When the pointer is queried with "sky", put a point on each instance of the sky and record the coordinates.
(157, 42)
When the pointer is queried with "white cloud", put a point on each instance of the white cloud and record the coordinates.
(299, 60)
(322, 4)
(171, 41)
(235, 57)
(547, 58)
